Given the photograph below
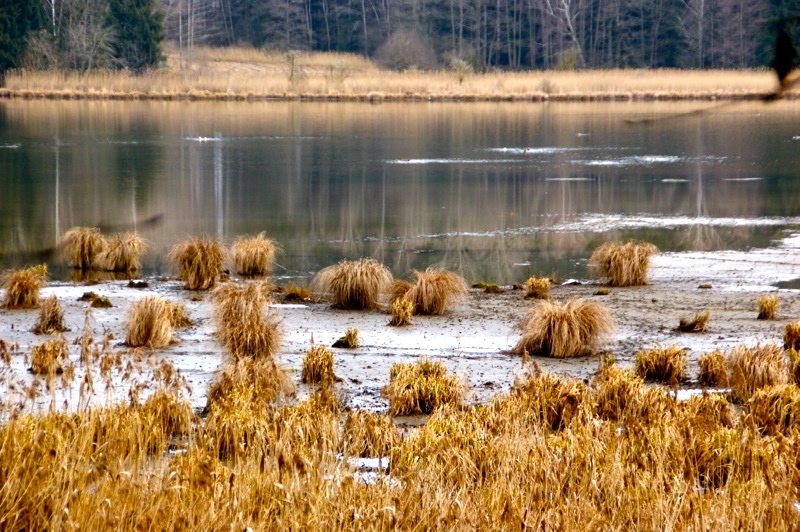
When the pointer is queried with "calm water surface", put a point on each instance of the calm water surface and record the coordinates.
(497, 191)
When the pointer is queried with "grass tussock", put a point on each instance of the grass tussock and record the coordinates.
(753, 368)
(291, 293)
(369, 434)
(199, 262)
(49, 357)
(150, 323)
(537, 288)
(245, 324)
(401, 310)
(122, 252)
(435, 291)
(775, 409)
(713, 370)
(563, 330)
(664, 364)
(254, 256)
(622, 264)
(421, 387)
(353, 285)
(698, 324)
(317, 365)
(791, 336)
(82, 246)
(767, 306)
(178, 316)
(51, 317)
(794, 365)
(349, 340)
(22, 287)
(544, 399)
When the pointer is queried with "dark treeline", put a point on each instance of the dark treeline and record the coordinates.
(509, 34)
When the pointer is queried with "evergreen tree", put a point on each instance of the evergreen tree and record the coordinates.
(139, 30)
(18, 19)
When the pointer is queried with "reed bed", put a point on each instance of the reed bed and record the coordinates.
(767, 306)
(22, 287)
(421, 387)
(82, 246)
(291, 293)
(353, 285)
(121, 252)
(150, 323)
(664, 364)
(317, 365)
(435, 291)
(622, 264)
(199, 261)
(245, 325)
(369, 434)
(791, 335)
(51, 317)
(753, 368)
(254, 256)
(537, 288)
(713, 370)
(562, 330)
(49, 357)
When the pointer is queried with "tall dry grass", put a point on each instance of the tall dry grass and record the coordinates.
(537, 288)
(51, 317)
(622, 264)
(122, 252)
(353, 285)
(753, 368)
(421, 387)
(561, 330)
(22, 287)
(713, 370)
(150, 323)
(435, 291)
(199, 262)
(254, 255)
(317, 365)
(245, 324)
(49, 357)
(82, 246)
(664, 364)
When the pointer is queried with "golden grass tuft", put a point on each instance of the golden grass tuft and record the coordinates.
(22, 287)
(199, 261)
(399, 289)
(791, 336)
(254, 255)
(794, 365)
(51, 317)
(317, 365)
(435, 291)
(48, 358)
(349, 340)
(401, 310)
(421, 387)
(563, 330)
(150, 323)
(753, 368)
(121, 252)
(82, 246)
(775, 409)
(617, 393)
(245, 326)
(664, 364)
(622, 264)
(291, 293)
(767, 306)
(167, 411)
(368, 434)
(537, 288)
(713, 370)
(548, 400)
(697, 325)
(353, 285)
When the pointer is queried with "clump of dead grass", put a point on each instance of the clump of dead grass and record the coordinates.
(775, 409)
(121, 252)
(51, 317)
(82, 246)
(199, 261)
(713, 370)
(317, 365)
(150, 323)
(767, 306)
(435, 291)
(544, 399)
(664, 364)
(791, 336)
(178, 316)
(368, 434)
(622, 264)
(291, 293)
(349, 340)
(245, 326)
(22, 287)
(563, 330)
(254, 255)
(537, 288)
(353, 285)
(48, 358)
(753, 368)
(421, 387)
(401, 310)
(698, 324)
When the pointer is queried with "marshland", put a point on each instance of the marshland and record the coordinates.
(208, 425)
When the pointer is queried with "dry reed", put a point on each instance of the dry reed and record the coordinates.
(564, 330)
(150, 323)
(254, 255)
(49, 357)
(775, 409)
(713, 370)
(767, 306)
(51, 317)
(199, 261)
(421, 387)
(317, 365)
(121, 252)
(537, 288)
(349, 340)
(245, 326)
(664, 364)
(401, 310)
(435, 291)
(622, 264)
(698, 324)
(22, 287)
(752, 368)
(82, 246)
(791, 336)
(368, 434)
(353, 285)
(291, 293)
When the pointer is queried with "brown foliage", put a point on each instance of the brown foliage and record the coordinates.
(199, 261)
(622, 264)
(353, 285)
(435, 291)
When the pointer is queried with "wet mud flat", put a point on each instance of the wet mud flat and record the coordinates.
(472, 340)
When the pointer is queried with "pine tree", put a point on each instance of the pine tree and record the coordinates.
(139, 30)
(18, 19)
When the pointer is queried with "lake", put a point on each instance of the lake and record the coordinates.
(495, 191)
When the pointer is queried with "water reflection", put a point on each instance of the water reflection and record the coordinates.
(497, 191)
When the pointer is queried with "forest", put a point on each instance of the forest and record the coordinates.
(403, 34)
